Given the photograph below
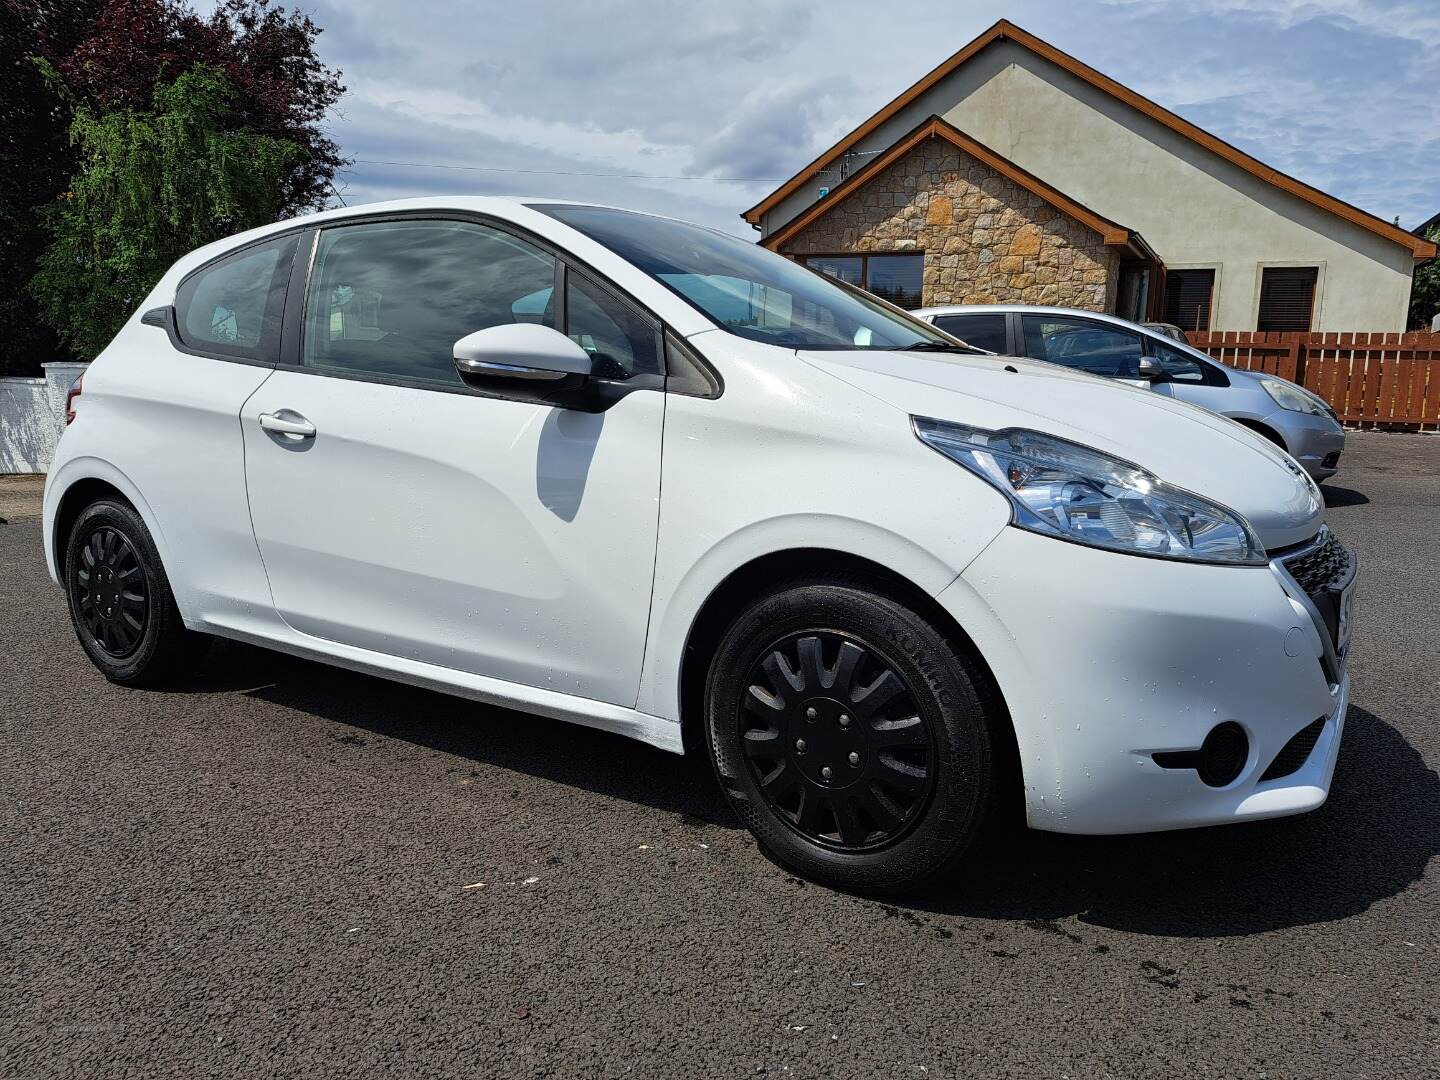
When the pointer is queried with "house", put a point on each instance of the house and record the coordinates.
(1015, 173)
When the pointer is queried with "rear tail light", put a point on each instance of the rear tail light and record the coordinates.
(70, 396)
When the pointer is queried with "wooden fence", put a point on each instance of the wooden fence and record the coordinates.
(1370, 380)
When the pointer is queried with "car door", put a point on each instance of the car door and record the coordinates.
(1189, 378)
(400, 511)
(175, 430)
(1085, 345)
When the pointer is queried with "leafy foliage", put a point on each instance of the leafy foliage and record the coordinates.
(36, 162)
(1425, 288)
(116, 56)
(152, 185)
(267, 53)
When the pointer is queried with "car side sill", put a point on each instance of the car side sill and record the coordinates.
(654, 730)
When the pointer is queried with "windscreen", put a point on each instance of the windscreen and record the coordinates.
(745, 288)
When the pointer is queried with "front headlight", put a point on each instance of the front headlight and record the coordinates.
(1063, 489)
(1291, 398)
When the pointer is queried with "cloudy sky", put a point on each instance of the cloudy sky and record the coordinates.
(548, 97)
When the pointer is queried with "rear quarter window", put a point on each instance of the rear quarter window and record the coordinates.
(233, 306)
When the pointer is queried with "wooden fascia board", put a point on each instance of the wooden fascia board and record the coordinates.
(925, 83)
(1112, 234)
(1005, 30)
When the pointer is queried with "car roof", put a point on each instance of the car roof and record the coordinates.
(524, 211)
(1028, 309)
(509, 207)
(1096, 316)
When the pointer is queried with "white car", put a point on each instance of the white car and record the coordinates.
(633, 473)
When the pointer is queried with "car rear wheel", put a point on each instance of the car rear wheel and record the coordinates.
(851, 736)
(120, 601)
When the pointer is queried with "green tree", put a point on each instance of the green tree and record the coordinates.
(36, 162)
(152, 185)
(1425, 288)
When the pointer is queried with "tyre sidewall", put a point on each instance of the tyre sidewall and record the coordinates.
(161, 611)
(945, 694)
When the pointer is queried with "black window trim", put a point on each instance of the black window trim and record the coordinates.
(168, 317)
(603, 285)
(291, 347)
(612, 390)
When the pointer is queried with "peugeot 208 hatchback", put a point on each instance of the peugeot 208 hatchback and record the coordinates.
(625, 471)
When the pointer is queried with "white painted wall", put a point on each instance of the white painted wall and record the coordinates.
(27, 432)
(32, 415)
(1193, 207)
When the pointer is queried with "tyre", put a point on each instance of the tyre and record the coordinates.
(120, 601)
(852, 738)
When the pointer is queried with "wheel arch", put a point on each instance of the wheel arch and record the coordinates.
(76, 486)
(754, 578)
(78, 496)
(1262, 428)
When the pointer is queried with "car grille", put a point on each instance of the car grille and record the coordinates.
(1323, 569)
(1320, 567)
(1332, 459)
(1296, 752)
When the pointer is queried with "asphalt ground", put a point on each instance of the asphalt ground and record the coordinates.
(283, 869)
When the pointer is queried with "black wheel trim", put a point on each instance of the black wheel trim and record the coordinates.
(841, 698)
(112, 597)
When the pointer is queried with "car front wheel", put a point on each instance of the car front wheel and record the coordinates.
(851, 736)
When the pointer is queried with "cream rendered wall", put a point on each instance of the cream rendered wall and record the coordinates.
(1194, 208)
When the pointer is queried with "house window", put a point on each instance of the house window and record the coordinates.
(1287, 298)
(897, 278)
(848, 268)
(1188, 296)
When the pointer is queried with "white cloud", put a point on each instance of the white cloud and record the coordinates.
(1337, 92)
(1413, 20)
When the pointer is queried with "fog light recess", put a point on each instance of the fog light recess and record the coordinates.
(1220, 759)
(1223, 754)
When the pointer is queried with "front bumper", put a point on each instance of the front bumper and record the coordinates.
(1316, 442)
(1106, 660)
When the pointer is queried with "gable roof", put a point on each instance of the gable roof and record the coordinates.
(1004, 30)
(935, 128)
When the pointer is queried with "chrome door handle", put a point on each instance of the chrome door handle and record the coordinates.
(299, 426)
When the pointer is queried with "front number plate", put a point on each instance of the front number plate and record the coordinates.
(1342, 628)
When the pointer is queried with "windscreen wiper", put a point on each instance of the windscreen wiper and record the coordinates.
(940, 346)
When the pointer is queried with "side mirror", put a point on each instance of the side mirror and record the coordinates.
(1152, 370)
(522, 351)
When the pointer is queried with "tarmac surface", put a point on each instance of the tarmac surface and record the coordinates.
(283, 869)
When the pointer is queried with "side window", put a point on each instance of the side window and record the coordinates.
(1083, 345)
(234, 306)
(1178, 365)
(391, 298)
(621, 341)
(982, 331)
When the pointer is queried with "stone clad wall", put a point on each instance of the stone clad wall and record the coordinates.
(986, 239)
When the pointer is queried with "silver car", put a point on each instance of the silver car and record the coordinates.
(1287, 414)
